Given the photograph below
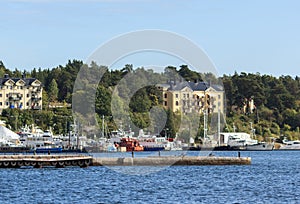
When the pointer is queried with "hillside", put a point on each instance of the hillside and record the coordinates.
(275, 111)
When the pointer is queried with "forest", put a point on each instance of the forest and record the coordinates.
(276, 99)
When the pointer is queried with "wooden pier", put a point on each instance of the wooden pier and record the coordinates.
(170, 161)
(38, 161)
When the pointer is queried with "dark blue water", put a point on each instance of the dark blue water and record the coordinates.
(273, 177)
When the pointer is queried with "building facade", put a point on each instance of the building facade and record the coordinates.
(22, 93)
(188, 97)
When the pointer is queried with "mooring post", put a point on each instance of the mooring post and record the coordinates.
(239, 154)
(159, 153)
(132, 154)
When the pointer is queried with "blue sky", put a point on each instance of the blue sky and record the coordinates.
(243, 36)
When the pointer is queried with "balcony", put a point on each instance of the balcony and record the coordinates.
(35, 97)
(37, 90)
(36, 107)
(14, 97)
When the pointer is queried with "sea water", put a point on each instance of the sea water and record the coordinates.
(273, 177)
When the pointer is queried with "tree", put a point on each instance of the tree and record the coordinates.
(53, 91)
(103, 101)
(170, 125)
(188, 74)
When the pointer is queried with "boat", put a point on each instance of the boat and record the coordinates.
(152, 142)
(47, 150)
(154, 148)
(129, 145)
(261, 146)
(290, 145)
(14, 149)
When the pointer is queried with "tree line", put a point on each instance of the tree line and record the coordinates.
(276, 99)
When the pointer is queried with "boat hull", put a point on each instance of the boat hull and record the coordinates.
(260, 147)
(47, 150)
(154, 148)
(14, 149)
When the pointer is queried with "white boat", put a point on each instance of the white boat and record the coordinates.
(261, 146)
(290, 145)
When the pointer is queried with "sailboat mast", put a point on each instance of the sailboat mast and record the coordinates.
(205, 126)
(103, 126)
(219, 128)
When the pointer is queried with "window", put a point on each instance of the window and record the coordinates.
(0, 103)
(27, 95)
(166, 103)
(0, 95)
(183, 95)
(21, 87)
(6, 95)
(6, 103)
(187, 95)
(27, 104)
(176, 95)
(177, 103)
(166, 96)
(219, 96)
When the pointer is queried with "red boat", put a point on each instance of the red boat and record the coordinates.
(131, 144)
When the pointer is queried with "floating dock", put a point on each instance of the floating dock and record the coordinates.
(170, 161)
(38, 161)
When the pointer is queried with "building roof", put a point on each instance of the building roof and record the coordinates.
(195, 86)
(28, 81)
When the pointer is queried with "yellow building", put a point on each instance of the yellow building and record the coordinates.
(22, 93)
(188, 97)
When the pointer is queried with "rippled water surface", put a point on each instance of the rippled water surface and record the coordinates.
(273, 177)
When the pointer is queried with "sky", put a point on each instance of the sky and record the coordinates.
(244, 36)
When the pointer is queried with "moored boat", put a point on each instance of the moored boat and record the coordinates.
(261, 146)
(290, 145)
(129, 144)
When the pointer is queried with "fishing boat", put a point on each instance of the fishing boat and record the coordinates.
(129, 145)
(261, 146)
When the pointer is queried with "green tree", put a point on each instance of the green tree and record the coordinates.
(170, 125)
(53, 91)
